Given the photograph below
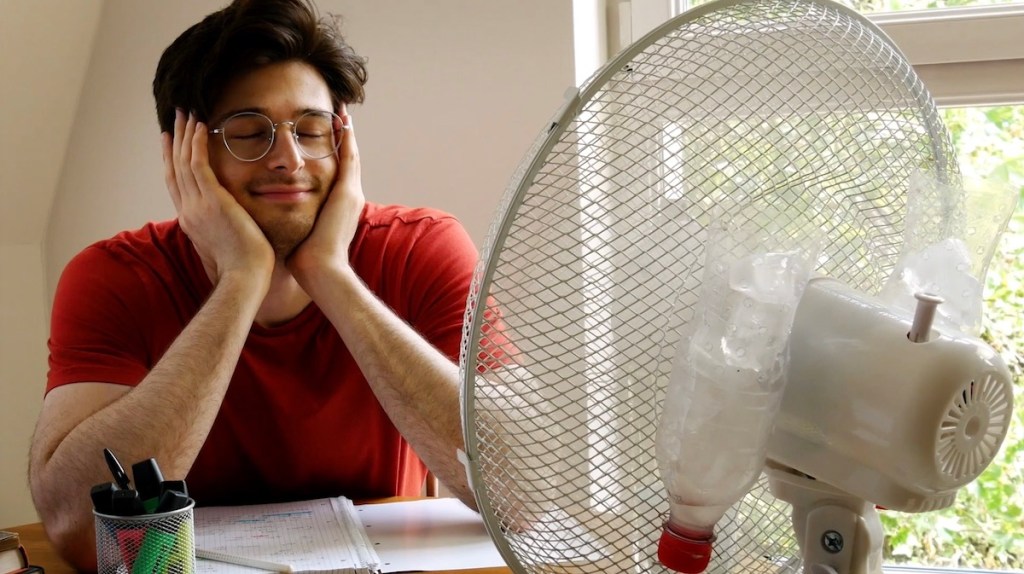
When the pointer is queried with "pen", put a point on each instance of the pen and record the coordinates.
(242, 561)
(115, 469)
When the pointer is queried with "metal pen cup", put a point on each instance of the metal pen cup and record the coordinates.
(161, 543)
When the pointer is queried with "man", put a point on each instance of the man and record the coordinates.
(282, 338)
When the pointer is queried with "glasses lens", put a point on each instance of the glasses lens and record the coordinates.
(318, 134)
(248, 136)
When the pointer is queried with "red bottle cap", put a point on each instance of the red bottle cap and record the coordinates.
(687, 552)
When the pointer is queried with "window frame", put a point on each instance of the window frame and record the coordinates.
(966, 56)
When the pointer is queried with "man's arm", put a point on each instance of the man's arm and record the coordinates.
(170, 412)
(167, 417)
(417, 385)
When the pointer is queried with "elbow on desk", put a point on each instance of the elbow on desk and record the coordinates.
(75, 542)
(67, 521)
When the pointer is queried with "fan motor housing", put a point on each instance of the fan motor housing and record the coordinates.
(899, 423)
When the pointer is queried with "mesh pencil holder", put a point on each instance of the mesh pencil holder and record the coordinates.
(161, 543)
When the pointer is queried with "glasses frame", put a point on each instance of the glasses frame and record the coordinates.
(273, 133)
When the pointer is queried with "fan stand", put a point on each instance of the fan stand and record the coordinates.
(837, 533)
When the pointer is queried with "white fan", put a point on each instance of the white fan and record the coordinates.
(796, 123)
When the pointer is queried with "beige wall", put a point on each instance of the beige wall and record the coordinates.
(458, 89)
(45, 53)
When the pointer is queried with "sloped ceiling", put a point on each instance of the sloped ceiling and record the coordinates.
(45, 46)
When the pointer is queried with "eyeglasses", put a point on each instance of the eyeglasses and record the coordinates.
(249, 135)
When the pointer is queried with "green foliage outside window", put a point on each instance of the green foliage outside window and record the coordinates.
(985, 527)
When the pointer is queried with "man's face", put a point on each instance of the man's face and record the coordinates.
(283, 190)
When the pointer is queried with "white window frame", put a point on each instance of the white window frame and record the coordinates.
(968, 56)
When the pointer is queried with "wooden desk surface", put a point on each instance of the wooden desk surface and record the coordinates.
(42, 553)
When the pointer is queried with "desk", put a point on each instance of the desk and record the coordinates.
(39, 549)
(42, 553)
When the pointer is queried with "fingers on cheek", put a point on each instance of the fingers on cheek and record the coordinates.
(187, 141)
(196, 163)
(351, 148)
(197, 142)
(165, 149)
(349, 152)
(184, 156)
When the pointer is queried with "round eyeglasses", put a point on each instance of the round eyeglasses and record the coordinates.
(250, 135)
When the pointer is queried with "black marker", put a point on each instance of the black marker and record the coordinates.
(147, 481)
(102, 497)
(115, 469)
(176, 485)
(172, 500)
(126, 503)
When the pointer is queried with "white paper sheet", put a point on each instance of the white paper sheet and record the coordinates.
(307, 535)
(430, 534)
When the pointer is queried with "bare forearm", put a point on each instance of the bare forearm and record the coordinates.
(166, 416)
(415, 383)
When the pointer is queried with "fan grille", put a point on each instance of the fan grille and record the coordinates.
(800, 109)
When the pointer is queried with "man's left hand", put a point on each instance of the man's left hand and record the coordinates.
(328, 243)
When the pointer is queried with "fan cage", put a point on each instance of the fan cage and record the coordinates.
(799, 116)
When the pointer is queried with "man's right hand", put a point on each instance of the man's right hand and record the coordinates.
(223, 233)
(169, 413)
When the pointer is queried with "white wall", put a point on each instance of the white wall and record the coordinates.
(458, 89)
(44, 53)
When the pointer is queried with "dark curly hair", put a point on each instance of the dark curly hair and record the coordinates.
(194, 70)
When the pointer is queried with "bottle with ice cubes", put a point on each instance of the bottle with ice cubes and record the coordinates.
(726, 382)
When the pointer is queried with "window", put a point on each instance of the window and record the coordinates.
(970, 55)
(983, 528)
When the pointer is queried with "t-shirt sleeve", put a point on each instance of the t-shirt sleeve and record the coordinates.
(94, 326)
(447, 258)
(443, 260)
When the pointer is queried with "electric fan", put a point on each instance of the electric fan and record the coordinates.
(791, 124)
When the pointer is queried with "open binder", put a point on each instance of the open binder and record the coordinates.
(332, 535)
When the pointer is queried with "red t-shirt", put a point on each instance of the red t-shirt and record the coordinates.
(299, 419)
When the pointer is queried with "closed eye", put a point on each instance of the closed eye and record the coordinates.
(261, 135)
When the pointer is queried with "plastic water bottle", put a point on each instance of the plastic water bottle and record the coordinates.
(725, 387)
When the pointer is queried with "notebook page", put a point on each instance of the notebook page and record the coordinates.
(431, 534)
(307, 535)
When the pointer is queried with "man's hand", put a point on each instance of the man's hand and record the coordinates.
(224, 234)
(417, 385)
(328, 244)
